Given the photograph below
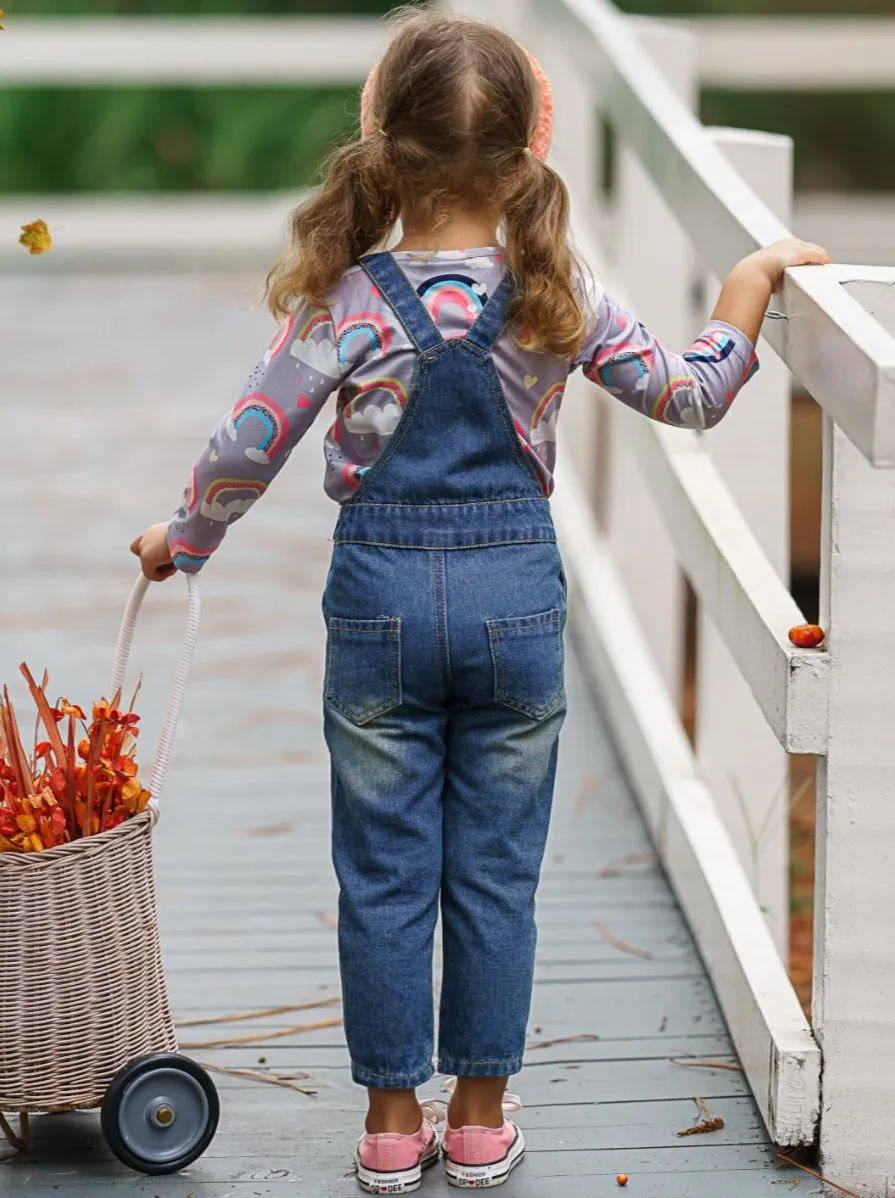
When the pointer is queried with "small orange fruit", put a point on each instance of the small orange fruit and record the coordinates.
(807, 636)
(622, 1179)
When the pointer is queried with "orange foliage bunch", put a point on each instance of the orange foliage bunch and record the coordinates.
(67, 788)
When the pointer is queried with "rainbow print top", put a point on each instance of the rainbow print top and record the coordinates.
(356, 348)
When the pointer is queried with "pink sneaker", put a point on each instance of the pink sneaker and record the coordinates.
(480, 1157)
(389, 1163)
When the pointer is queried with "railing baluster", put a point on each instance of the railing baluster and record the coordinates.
(739, 755)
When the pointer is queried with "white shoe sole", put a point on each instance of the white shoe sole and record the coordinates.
(483, 1177)
(403, 1181)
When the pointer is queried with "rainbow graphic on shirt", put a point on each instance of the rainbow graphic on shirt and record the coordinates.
(367, 327)
(319, 317)
(273, 430)
(606, 367)
(391, 386)
(672, 389)
(190, 494)
(283, 334)
(543, 483)
(751, 368)
(454, 291)
(364, 417)
(713, 346)
(184, 555)
(353, 476)
(226, 499)
(543, 420)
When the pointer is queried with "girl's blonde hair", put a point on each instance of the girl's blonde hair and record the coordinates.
(455, 106)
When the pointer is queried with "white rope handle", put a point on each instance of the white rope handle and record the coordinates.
(181, 674)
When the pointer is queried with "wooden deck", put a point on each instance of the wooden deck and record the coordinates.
(109, 385)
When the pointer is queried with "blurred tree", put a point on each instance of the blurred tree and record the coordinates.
(260, 138)
(169, 139)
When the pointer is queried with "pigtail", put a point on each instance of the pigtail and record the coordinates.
(352, 212)
(546, 313)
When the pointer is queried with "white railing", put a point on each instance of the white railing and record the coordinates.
(637, 503)
(715, 506)
(795, 53)
(750, 53)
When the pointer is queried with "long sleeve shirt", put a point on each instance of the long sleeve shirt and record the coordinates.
(355, 347)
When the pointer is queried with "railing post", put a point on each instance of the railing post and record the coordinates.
(739, 756)
(654, 260)
(854, 946)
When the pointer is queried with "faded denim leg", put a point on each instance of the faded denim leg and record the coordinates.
(497, 810)
(506, 615)
(386, 739)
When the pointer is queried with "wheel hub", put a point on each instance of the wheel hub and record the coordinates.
(163, 1114)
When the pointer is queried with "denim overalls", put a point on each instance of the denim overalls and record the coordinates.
(445, 607)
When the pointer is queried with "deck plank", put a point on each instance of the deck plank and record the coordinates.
(137, 369)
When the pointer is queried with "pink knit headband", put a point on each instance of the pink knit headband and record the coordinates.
(540, 143)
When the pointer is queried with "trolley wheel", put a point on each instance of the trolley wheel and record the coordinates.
(160, 1113)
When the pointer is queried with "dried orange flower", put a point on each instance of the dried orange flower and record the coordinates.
(36, 237)
(66, 788)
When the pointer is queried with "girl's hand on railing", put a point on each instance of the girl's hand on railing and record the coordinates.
(775, 259)
(151, 547)
(750, 285)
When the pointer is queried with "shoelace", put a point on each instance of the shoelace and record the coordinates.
(434, 1111)
(509, 1103)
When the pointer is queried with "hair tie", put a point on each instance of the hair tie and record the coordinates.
(540, 142)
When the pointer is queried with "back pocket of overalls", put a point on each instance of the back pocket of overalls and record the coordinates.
(527, 655)
(363, 667)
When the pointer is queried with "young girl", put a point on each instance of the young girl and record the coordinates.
(446, 600)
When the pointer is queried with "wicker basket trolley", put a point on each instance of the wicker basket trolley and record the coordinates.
(84, 1015)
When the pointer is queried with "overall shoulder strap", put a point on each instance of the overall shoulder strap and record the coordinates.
(397, 291)
(493, 318)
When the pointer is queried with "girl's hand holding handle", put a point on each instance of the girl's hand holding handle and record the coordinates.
(750, 285)
(151, 547)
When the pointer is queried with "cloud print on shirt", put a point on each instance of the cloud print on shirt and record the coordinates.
(372, 419)
(321, 356)
(225, 512)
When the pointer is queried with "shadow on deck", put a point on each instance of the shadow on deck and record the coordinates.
(128, 373)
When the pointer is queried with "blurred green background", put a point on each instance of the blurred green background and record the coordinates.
(246, 139)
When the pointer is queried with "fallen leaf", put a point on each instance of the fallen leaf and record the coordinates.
(270, 1079)
(36, 237)
(586, 791)
(264, 1013)
(266, 830)
(561, 1040)
(257, 1037)
(621, 945)
(614, 868)
(708, 1122)
(733, 1066)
